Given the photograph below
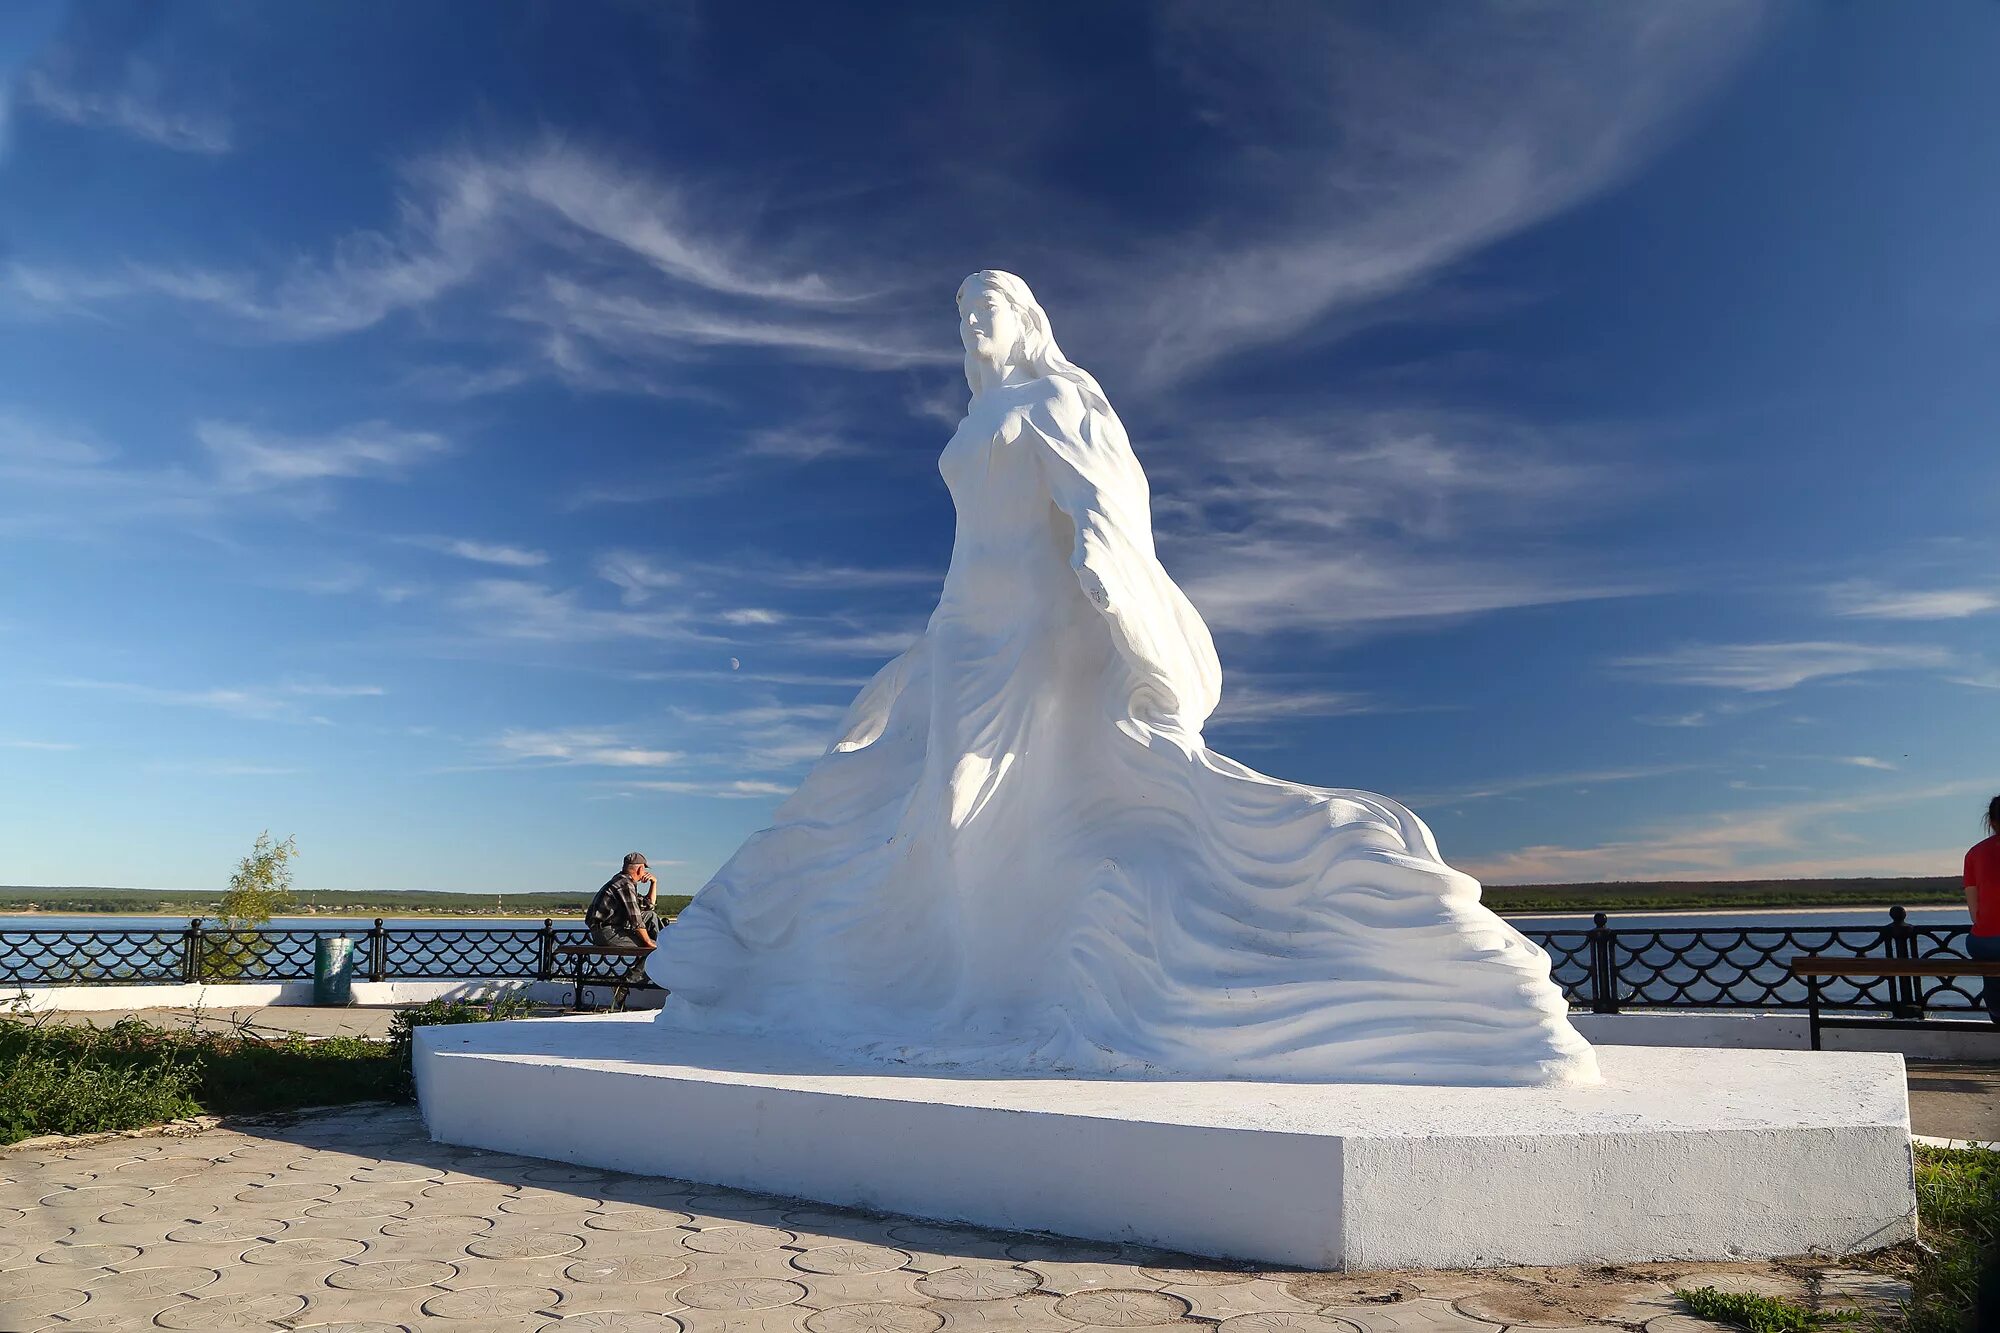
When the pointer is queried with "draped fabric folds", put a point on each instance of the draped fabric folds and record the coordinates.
(1018, 855)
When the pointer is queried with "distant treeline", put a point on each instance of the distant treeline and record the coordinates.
(1914, 891)
(322, 902)
(1908, 891)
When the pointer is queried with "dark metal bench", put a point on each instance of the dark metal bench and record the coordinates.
(1907, 1013)
(621, 984)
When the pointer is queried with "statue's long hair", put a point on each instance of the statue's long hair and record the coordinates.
(1038, 349)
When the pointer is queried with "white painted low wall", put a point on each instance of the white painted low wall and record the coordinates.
(1783, 1032)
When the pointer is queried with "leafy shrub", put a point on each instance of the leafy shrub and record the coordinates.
(1759, 1314)
(59, 1080)
(492, 1007)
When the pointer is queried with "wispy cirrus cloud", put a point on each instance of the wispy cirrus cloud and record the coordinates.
(1780, 841)
(138, 108)
(1373, 155)
(1345, 523)
(596, 747)
(1765, 667)
(284, 702)
(249, 458)
(1876, 601)
(484, 553)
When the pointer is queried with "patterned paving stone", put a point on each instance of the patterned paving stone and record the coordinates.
(636, 1219)
(436, 1224)
(96, 1198)
(133, 1284)
(568, 1175)
(850, 1258)
(823, 1291)
(30, 1310)
(1286, 1322)
(740, 1294)
(378, 1207)
(230, 1312)
(88, 1256)
(1064, 1279)
(620, 1269)
(1020, 1313)
(1418, 1316)
(547, 1203)
(476, 1195)
(392, 1275)
(169, 1211)
(523, 1245)
(1260, 1295)
(985, 1283)
(610, 1321)
(492, 1303)
(1219, 1276)
(305, 1250)
(734, 1239)
(782, 1319)
(227, 1230)
(352, 1326)
(1115, 1308)
(296, 1191)
(875, 1317)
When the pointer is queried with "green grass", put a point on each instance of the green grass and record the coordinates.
(57, 1079)
(1958, 1212)
(1759, 1314)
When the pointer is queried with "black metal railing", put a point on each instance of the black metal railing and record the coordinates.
(1603, 969)
(1606, 970)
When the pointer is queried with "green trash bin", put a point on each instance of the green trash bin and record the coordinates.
(333, 971)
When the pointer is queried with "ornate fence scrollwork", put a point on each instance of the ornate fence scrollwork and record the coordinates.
(1603, 969)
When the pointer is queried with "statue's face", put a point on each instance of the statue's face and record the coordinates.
(988, 325)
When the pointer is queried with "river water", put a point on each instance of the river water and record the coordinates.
(1816, 918)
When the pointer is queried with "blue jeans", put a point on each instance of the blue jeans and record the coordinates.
(1986, 948)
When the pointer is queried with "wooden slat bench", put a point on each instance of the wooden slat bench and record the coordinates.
(621, 988)
(1815, 968)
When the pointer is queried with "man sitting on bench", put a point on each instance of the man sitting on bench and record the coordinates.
(621, 914)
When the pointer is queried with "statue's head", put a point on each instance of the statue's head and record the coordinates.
(1001, 325)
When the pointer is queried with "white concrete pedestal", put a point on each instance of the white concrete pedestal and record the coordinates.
(1681, 1154)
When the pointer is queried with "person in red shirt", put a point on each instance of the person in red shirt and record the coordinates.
(1982, 899)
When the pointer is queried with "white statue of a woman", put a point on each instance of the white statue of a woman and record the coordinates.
(1018, 855)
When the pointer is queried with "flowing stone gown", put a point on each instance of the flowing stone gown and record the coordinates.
(1019, 856)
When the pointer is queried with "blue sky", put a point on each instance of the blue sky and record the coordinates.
(482, 447)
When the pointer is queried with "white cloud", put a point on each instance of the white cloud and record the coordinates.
(485, 553)
(1246, 704)
(1346, 522)
(1543, 781)
(1865, 761)
(1763, 667)
(279, 703)
(520, 609)
(724, 789)
(1874, 601)
(36, 745)
(249, 459)
(751, 615)
(1373, 154)
(135, 110)
(595, 747)
(1776, 842)
(637, 577)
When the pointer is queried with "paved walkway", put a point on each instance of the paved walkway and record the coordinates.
(355, 1222)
